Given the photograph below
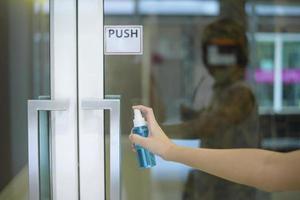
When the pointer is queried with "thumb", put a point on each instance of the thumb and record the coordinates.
(139, 140)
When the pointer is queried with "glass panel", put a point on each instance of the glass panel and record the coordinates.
(195, 67)
(44, 149)
(44, 153)
(291, 73)
(264, 73)
(24, 74)
(41, 65)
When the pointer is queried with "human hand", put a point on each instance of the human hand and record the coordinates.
(157, 142)
(187, 113)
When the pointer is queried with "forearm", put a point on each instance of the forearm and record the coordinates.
(245, 166)
(181, 131)
(200, 127)
(267, 170)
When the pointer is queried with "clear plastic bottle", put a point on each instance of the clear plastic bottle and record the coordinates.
(146, 159)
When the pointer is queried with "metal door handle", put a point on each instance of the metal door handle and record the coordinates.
(113, 105)
(34, 106)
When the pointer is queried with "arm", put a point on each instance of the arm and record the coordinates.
(265, 170)
(204, 125)
(231, 109)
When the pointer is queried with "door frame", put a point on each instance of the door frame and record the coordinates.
(63, 67)
(91, 86)
(77, 164)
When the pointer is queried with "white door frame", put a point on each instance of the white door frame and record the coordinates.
(92, 102)
(63, 57)
(90, 84)
(77, 132)
(63, 134)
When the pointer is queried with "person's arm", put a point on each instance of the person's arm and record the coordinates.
(266, 170)
(234, 107)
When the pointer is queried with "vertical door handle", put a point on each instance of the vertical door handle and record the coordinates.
(113, 105)
(34, 106)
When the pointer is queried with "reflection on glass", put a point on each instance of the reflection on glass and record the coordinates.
(41, 89)
(230, 119)
(171, 69)
(291, 73)
(264, 73)
(44, 156)
(24, 75)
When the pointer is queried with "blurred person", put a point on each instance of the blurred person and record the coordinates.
(231, 118)
(266, 170)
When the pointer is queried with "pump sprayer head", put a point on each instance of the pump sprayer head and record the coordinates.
(138, 114)
(138, 118)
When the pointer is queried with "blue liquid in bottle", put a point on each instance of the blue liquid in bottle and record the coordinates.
(146, 159)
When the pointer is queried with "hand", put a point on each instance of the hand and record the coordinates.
(157, 142)
(187, 113)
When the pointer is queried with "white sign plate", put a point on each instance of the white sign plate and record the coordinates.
(123, 40)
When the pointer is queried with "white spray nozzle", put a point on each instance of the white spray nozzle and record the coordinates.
(138, 118)
(138, 115)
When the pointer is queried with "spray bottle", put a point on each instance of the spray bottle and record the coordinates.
(146, 159)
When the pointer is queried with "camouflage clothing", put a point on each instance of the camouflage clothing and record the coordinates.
(240, 130)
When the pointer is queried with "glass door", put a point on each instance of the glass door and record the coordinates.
(54, 56)
(25, 74)
(67, 162)
(52, 120)
(52, 139)
(65, 129)
(175, 77)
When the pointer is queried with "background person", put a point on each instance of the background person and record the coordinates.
(231, 118)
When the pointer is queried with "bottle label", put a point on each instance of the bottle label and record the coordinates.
(145, 158)
(142, 131)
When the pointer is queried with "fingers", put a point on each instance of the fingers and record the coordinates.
(132, 144)
(136, 139)
(147, 111)
(133, 148)
(141, 107)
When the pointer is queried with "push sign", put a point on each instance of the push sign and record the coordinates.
(123, 40)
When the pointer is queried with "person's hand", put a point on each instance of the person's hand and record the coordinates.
(187, 113)
(157, 142)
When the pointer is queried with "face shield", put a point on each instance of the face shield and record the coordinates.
(222, 56)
